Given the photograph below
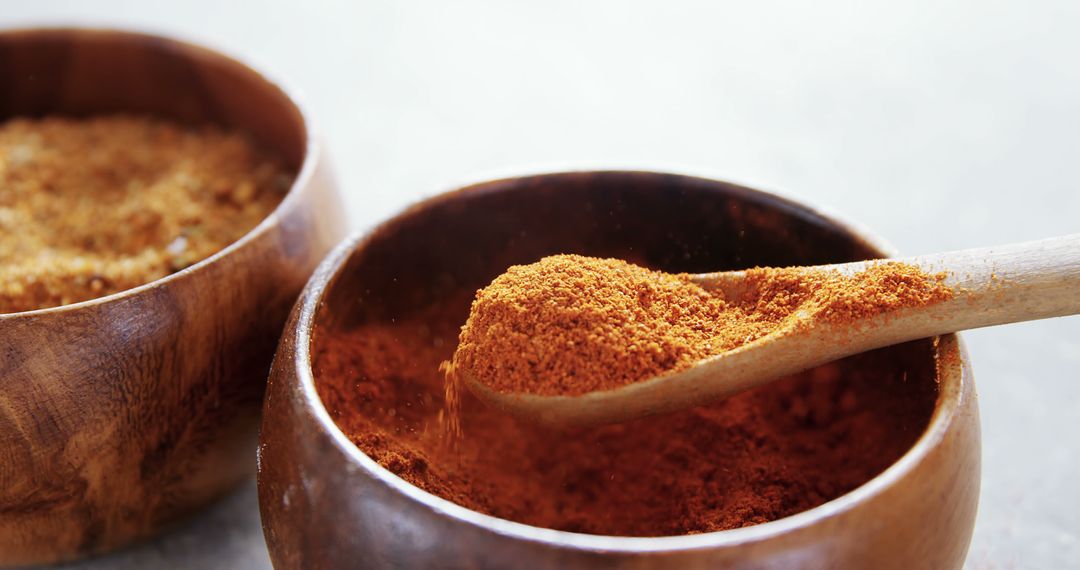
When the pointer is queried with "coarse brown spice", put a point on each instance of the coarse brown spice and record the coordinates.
(568, 324)
(90, 207)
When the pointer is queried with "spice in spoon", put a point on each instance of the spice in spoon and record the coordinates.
(568, 325)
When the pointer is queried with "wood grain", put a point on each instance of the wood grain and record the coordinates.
(120, 415)
(324, 504)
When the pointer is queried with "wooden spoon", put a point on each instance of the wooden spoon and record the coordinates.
(1006, 284)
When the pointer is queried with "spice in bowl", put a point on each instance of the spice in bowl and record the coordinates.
(94, 206)
(758, 456)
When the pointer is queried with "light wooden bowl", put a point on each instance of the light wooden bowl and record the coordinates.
(325, 504)
(122, 414)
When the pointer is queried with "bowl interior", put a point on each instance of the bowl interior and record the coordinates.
(406, 289)
(80, 72)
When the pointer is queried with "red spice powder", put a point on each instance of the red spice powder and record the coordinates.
(755, 457)
(570, 324)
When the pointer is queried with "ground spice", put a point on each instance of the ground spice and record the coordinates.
(755, 457)
(569, 324)
(89, 207)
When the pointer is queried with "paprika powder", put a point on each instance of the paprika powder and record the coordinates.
(755, 457)
(569, 324)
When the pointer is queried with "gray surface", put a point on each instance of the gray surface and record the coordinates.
(940, 125)
(226, 536)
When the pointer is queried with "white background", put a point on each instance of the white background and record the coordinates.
(940, 125)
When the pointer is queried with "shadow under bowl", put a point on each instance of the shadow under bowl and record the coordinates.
(121, 414)
(325, 503)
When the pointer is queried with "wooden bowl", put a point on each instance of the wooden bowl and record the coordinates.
(121, 414)
(325, 504)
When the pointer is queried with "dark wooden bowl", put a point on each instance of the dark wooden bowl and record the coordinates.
(121, 414)
(325, 504)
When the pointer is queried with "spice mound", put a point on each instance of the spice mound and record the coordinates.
(569, 325)
(754, 457)
(90, 207)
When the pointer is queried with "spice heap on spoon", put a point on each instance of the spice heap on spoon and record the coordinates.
(573, 340)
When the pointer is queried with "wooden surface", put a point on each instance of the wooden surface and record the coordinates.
(919, 513)
(121, 415)
(992, 286)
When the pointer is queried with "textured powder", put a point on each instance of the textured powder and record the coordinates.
(90, 207)
(754, 457)
(569, 324)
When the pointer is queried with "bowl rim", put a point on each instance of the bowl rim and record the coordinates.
(197, 49)
(951, 393)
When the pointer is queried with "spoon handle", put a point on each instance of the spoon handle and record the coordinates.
(993, 286)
